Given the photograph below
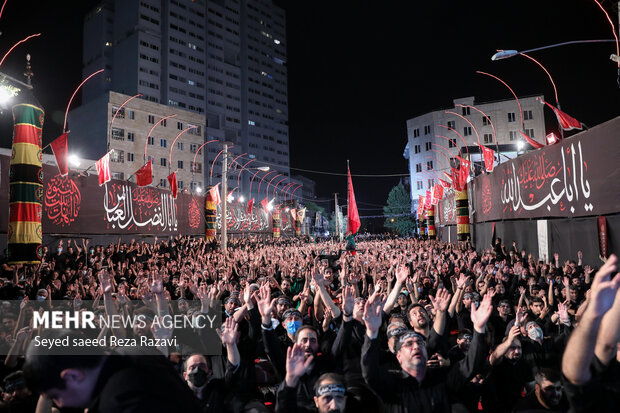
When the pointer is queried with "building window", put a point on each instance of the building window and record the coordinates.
(131, 136)
(118, 134)
(162, 182)
(513, 135)
(488, 138)
(195, 130)
(452, 143)
(451, 124)
(163, 161)
(486, 121)
(467, 131)
(151, 119)
(163, 143)
(420, 185)
(416, 132)
(118, 175)
(417, 149)
(465, 111)
(418, 167)
(129, 157)
(164, 122)
(180, 125)
(430, 183)
(196, 167)
(120, 114)
(117, 156)
(428, 146)
(427, 129)
(180, 184)
(530, 133)
(429, 165)
(151, 140)
(132, 114)
(527, 115)
(193, 147)
(180, 164)
(180, 146)
(511, 117)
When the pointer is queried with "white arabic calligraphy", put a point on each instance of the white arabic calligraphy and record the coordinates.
(122, 213)
(511, 192)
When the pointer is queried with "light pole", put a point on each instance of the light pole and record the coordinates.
(224, 198)
(505, 54)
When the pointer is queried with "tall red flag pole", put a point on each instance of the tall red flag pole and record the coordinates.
(353, 217)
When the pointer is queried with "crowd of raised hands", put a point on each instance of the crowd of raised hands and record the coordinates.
(397, 325)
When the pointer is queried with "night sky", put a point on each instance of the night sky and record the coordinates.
(359, 69)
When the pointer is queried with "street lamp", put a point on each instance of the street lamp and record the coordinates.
(505, 54)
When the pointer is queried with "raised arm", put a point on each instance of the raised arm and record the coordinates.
(502, 349)
(581, 344)
(401, 276)
(609, 333)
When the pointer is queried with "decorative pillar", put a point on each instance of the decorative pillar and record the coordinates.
(462, 215)
(422, 221)
(276, 222)
(25, 234)
(210, 216)
(430, 221)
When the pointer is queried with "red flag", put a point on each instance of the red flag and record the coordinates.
(566, 121)
(463, 173)
(60, 148)
(455, 179)
(103, 169)
(172, 178)
(421, 203)
(353, 217)
(438, 192)
(531, 141)
(427, 199)
(444, 184)
(434, 198)
(489, 158)
(250, 205)
(215, 194)
(264, 203)
(144, 175)
(229, 194)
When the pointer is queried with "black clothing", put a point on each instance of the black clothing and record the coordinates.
(140, 384)
(530, 404)
(403, 393)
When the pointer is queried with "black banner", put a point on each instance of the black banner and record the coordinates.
(76, 204)
(446, 209)
(579, 176)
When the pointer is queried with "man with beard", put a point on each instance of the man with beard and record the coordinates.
(416, 387)
(209, 391)
(329, 389)
(509, 373)
(547, 395)
(305, 337)
(419, 320)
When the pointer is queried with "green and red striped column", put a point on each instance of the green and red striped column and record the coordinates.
(276, 222)
(25, 234)
(462, 215)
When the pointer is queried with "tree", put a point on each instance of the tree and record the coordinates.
(398, 202)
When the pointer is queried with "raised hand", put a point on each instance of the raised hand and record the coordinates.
(513, 333)
(372, 315)
(296, 364)
(563, 313)
(264, 303)
(480, 316)
(402, 273)
(348, 300)
(604, 288)
(228, 334)
(520, 317)
(157, 284)
(442, 300)
(106, 283)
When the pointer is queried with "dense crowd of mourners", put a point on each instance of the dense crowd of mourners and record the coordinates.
(398, 325)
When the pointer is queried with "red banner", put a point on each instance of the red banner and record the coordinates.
(489, 158)
(602, 236)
